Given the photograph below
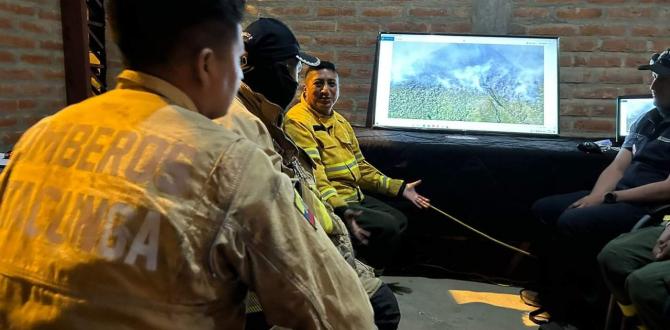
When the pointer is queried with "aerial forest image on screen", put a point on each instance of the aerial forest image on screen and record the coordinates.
(467, 82)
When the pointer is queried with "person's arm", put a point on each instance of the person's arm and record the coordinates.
(304, 139)
(652, 192)
(374, 180)
(300, 278)
(607, 180)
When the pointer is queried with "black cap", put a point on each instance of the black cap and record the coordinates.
(271, 40)
(659, 63)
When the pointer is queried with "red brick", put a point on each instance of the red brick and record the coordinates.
(7, 122)
(558, 1)
(633, 60)
(595, 92)
(8, 105)
(26, 104)
(623, 45)
(53, 75)
(456, 27)
(17, 9)
(598, 60)
(381, 12)
(357, 27)
(650, 31)
(657, 45)
(335, 40)
(428, 12)
(579, 13)
(623, 76)
(35, 59)
(7, 57)
(313, 26)
(5, 23)
(334, 11)
(344, 104)
(50, 15)
(566, 60)
(288, 11)
(578, 44)
(630, 12)
(19, 42)
(553, 30)
(602, 30)
(55, 45)
(353, 57)
(350, 89)
(531, 12)
(16, 74)
(585, 108)
(32, 27)
(407, 27)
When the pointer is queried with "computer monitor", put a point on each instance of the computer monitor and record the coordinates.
(465, 83)
(628, 109)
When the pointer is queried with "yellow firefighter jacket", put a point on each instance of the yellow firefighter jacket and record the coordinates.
(131, 210)
(341, 170)
(254, 117)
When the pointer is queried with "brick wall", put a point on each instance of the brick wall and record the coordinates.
(32, 83)
(602, 41)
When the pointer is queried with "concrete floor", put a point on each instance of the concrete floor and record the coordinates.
(452, 304)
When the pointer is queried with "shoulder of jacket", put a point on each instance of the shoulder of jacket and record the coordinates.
(300, 114)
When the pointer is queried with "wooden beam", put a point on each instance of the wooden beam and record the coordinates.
(75, 50)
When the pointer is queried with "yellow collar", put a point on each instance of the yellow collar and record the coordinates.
(130, 79)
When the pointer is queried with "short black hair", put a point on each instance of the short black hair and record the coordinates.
(322, 65)
(148, 32)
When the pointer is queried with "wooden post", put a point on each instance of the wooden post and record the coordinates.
(75, 50)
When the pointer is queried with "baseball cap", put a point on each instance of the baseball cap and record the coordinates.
(271, 40)
(659, 63)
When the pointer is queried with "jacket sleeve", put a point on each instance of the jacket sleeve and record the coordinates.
(303, 138)
(301, 280)
(371, 178)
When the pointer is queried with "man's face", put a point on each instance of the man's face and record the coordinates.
(322, 90)
(225, 76)
(660, 89)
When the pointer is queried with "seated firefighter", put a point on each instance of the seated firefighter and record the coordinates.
(272, 61)
(636, 181)
(341, 170)
(133, 209)
(636, 265)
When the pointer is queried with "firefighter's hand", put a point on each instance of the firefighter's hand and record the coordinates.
(662, 248)
(586, 201)
(355, 230)
(414, 197)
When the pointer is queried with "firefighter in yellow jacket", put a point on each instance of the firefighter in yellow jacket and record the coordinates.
(342, 172)
(272, 62)
(134, 210)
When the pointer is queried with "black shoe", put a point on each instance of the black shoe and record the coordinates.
(530, 297)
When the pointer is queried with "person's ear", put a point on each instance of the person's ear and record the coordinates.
(205, 66)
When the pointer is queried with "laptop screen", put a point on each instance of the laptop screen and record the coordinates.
(629, 109)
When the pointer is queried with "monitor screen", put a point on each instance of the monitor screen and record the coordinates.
(466, 83)
(629, 108)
